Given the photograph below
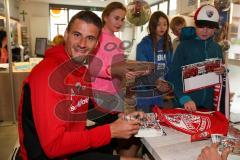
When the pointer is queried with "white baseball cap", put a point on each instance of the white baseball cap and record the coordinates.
(207, 15)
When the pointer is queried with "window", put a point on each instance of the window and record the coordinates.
(60, 16)
(164, 7)
(99, 13)
(72, 12)
(172, 7)
(154, 8)
(58, 21)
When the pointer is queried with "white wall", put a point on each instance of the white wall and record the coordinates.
(235, 14)
(36, 20)
(236, 8)
(13, 8)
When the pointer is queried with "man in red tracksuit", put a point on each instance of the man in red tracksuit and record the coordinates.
(56, 98)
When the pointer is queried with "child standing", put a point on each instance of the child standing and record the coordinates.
(157, 48)
(110, 51)
(194, 50)
(176, 25)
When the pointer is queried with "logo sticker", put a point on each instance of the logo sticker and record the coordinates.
(209, 13)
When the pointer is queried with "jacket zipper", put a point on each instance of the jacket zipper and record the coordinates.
(206, 56)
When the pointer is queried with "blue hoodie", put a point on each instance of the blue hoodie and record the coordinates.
(162, 60)
(191, 51)
(146, 53)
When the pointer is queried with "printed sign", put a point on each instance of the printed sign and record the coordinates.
(200, 75)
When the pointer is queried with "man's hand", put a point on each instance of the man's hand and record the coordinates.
(130, 69)
(163, 86)
(211, 153)
(124, 129)
(190, 106)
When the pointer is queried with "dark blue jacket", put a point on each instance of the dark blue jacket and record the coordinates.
(191, 51)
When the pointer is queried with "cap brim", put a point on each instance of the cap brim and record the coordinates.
(203, 23)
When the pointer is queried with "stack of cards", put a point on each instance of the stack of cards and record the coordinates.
(150, 126)
(216, 138)
(227, 141)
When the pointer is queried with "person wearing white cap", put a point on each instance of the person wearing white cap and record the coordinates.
(207, 16)
(197, 49)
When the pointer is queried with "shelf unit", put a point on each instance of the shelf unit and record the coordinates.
(25, 40)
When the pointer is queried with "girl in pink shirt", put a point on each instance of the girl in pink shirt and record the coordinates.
(110, 51)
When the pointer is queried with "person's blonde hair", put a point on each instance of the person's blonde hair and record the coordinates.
(176, 21)
(112, 7)
(58, 40)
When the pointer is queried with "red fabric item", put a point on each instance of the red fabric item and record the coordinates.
(200, 125)
(59, 108)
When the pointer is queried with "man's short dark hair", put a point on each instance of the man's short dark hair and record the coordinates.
(88, 17)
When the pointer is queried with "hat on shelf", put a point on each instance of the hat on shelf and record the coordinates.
(207, 15)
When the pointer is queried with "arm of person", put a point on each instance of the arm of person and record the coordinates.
(163, 86)
(211, 153)
(125, 69)
(141, 53)
(174, 77)
(103, 68)
(222, 69)
(190, 106)
(123, 128)
(131, 69)
(148, 79)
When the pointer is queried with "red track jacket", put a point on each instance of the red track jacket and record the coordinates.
(59, 108)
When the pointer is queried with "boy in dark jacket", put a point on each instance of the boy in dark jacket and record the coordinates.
(194, 50)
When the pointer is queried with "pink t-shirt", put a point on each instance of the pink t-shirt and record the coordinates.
(109, 52)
